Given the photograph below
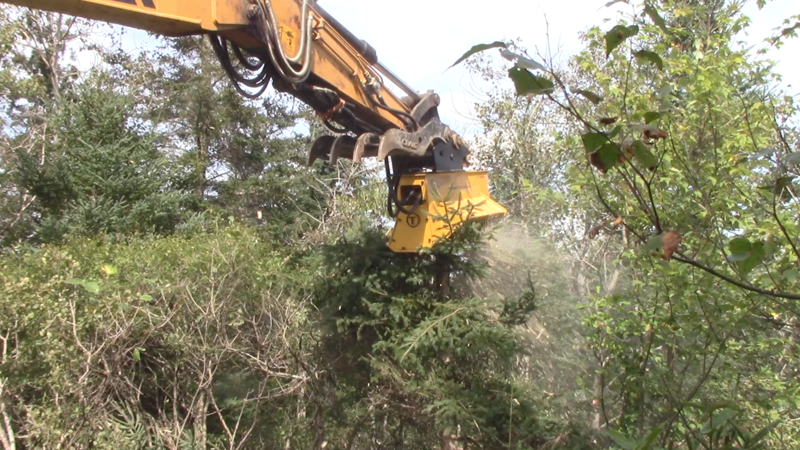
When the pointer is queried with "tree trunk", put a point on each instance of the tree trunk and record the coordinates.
(793, 330)
(450, 442)
(300, 417)
(600, 419)
(319, 430)
(201, 166)
(199, 410)
(7, 437)
(443, 280)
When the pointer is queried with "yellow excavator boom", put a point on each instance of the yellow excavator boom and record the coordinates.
(305, 52)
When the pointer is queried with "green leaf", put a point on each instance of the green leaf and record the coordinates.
(738, 258)
(692, 444)
(791, 275)
(618, 35)
(793, 158)
(770, 247)
(528, 83)
(739, 432)
(644, 155)
(109, 270)
(614, 2)
(615, 132)
(75, 282)
(713, 406)
(146, 298)
(762, 433)
(526, 183)
(656, 18)
(745, 254)
(758, 252)
(739, 246)
(609, 154)
(757, 255)
(650, 57)
(766, 152)
(781, 184)
(648, 441)
(791, 31)
(521, 61)
(651, 116)
(92, 287)
(477, 49)
(589, 95)
(665, 91)
(653, 244)
(622, 440)
(593, 141)
(696, 405)
(719, 419)
(137, 354)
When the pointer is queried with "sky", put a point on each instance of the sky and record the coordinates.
(419, 39)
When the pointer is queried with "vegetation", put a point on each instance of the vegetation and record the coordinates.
(174, 278)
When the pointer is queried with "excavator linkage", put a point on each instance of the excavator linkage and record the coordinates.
(302, 50)
(430, 192)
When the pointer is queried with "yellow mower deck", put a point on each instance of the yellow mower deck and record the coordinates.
(448, 200)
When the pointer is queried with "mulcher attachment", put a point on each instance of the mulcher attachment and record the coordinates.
(430, 192)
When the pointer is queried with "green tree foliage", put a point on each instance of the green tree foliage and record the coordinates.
(414, 349)
(685, 152)
(35, 75)
(243, 156)
(99, 173)
(154, 343)
(188, 283)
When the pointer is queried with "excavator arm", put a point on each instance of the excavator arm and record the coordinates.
(303, 51)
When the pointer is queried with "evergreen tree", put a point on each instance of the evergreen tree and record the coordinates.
(239, 156)
(421, 362)
(100, 173)
(36, 74)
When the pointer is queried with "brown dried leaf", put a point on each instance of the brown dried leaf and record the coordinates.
(597, 162)
(608, 120)
(618, 222)
(655, 133)
(595, 230)
(670, 242)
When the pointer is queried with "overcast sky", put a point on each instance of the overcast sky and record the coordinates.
(419, 39)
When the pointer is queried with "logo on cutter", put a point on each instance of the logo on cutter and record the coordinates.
(413, 220)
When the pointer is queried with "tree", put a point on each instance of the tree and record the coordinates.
(417, 360)
(687, 149)
(243, 156)
(36, 75)
(168, 342)
(99, 173)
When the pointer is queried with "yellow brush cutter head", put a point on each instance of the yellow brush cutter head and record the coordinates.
(447, 200)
